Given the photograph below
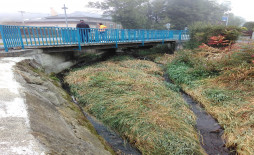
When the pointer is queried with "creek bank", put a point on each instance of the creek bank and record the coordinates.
(57, 123)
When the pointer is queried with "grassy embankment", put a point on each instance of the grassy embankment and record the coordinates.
(131, 97)
(223, 82)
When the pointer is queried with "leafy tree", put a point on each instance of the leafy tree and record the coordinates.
(132, 14)
(249, 26)
(235, 20)
(147, 14)
(185, 12)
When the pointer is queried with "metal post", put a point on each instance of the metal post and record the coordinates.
(116, 37)
(3, 37)
(79, 42)
(65, 8)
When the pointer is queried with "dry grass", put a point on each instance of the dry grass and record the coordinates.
(226, 94)
(130, 96)
(164, 59)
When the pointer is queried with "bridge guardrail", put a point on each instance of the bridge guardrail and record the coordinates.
(29, 36)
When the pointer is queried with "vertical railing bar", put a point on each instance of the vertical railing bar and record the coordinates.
(116, 38)
(9, 36)
(3, 37)
(68, 36)
(38, 36)
(49, 37)
(143, 37)
(56, 36)
(41, 36)
(45, 34)
(73, 36)
(34, 36)
(61, 38)
(15, 36)
(180, 36)
(21, 39)
(60, 35)
(25, 35)
(29, 35)
(78, 35)
(53, 35)
(89, 35)
(12, 43)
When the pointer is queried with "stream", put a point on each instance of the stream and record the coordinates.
(118, 144)
(209, 130)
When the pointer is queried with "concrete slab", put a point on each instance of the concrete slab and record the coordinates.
(15, 133)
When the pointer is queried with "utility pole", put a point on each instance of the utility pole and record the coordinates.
(65, 8)
(22, 14)
(227, 19)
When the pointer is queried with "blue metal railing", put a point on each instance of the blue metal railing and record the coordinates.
(29, 36)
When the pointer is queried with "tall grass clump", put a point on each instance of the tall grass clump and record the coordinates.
(222, 80)
(130, 96)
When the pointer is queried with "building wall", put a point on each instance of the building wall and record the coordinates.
(73, 21)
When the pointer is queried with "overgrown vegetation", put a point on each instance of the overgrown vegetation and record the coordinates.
(222, 80)
(131, 97)
(215, 35)
(152, 53)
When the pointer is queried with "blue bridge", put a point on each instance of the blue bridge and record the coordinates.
(50, 37)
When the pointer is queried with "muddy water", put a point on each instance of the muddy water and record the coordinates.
(209, 129)
(118, 144)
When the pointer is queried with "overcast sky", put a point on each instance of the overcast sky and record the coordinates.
(243, 8)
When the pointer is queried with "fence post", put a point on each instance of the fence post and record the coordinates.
(3, 37)
(117, 37)
(143, 37)
(78, 35)
(20, 37)
(163, 36)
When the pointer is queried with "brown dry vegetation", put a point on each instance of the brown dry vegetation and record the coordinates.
(130, 96)
(223, 82)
